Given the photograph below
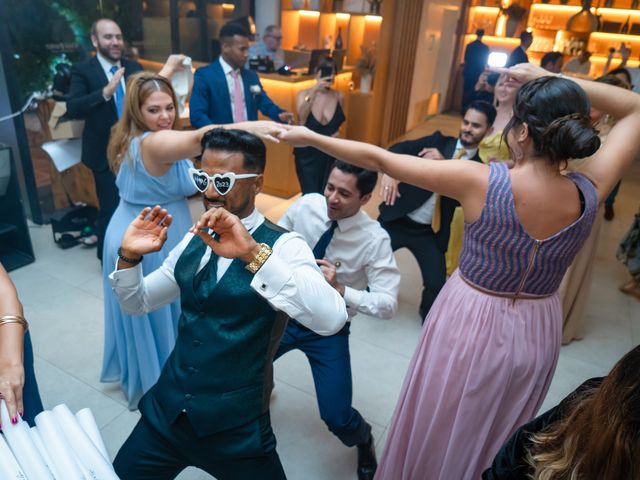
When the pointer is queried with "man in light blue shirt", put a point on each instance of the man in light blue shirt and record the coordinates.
(269, 46)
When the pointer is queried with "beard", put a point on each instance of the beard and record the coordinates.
(108, 53)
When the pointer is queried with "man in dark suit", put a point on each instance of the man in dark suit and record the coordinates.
(226, 92)
(476, 56)
(519, 55)
(97, 95)
(409, 214)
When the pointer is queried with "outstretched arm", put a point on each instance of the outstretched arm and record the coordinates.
(608, 164)
(162, 148)
(461, 180)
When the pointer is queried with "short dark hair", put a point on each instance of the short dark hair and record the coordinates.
(550, 57)
(525, 35)
(251, 147)
(483, 107)
(231, 29)
(623, 71)
(366, 179)
(613, 80)
(480, 32)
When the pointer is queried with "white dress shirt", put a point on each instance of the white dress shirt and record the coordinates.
(289, 280)
(227, 69)
(424, 213)
(361, 250)
(106, 66)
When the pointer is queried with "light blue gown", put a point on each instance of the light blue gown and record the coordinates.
(136, 347)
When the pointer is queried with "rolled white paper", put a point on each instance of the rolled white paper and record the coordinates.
(37, 441)
(55, 441)
(87, 452)
(9, 467)
(88, 423)
(19, 440)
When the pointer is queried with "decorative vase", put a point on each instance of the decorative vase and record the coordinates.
(365, 82)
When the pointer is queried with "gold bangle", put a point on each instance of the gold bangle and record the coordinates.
(4, 319)
(261, 257)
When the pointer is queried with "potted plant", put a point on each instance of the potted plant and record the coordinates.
(366, 66)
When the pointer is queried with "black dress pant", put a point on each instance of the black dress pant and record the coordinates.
(313, 168)
(420, 240)
(247, 452)
(108, 198)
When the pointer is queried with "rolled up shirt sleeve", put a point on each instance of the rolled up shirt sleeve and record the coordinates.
(291, 282)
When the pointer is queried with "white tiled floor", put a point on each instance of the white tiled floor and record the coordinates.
(62, 294)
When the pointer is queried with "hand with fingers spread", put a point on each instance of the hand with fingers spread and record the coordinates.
(234, 240)
(329, 271)
(110, 88)
(389, 189)
(147, 233)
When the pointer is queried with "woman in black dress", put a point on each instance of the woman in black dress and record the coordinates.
(320, 110)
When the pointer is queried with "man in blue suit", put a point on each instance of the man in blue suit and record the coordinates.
(225, 92)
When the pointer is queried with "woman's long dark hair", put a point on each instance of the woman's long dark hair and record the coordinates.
(556, 112)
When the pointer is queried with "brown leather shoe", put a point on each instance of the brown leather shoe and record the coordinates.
(367, 463)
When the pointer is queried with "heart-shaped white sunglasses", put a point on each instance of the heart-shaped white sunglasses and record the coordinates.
(222, 182)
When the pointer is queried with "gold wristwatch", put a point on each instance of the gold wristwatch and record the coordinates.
(261, 257)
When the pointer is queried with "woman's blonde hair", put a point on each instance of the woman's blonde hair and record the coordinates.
(600, 437)
(131, 124)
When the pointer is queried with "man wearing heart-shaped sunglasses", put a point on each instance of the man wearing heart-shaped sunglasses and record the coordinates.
(238, 277)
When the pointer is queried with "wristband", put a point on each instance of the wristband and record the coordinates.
(132, 261)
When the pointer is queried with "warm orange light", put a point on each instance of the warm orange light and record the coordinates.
(621, 12)
(508, 41)
(309, 13)
(602, 59)
(228, 6)
(621, 37)
(480, 9)
(373, 18)
(556, 8)
(343, 16)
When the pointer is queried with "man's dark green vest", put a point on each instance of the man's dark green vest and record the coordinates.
(221, 369)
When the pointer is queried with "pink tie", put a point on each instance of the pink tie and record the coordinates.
(238, 107)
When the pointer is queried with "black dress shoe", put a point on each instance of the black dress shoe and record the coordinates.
(367, 462)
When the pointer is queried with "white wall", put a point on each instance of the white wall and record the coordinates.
(434, 56)
(267, 13)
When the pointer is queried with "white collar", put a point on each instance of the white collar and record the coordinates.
(471, 152)
(226, 68)
(253, 220)
(106, 64)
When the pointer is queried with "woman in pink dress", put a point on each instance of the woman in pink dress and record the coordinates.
(490, 343)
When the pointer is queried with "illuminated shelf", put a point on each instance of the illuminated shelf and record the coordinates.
(487, 10)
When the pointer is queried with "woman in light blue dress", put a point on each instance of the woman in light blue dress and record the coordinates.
(148, 157)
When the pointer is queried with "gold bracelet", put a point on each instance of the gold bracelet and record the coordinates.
(261, 257)
(4, 319)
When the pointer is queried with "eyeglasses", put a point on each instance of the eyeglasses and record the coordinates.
(222, 182)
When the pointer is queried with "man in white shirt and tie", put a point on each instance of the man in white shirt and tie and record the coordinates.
(354, 253)
(238, 276)
(226, 92)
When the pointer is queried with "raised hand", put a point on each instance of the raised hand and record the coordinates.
(522, 72)
(389, 189)
(110, 88)
(287, 117)
(147, 233)
(265, 129)
(294, 135)
(234, 240)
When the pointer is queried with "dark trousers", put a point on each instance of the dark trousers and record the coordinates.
(313, 168)
(246, 452)
(108, 197)
(331, 368)
(421, 242)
